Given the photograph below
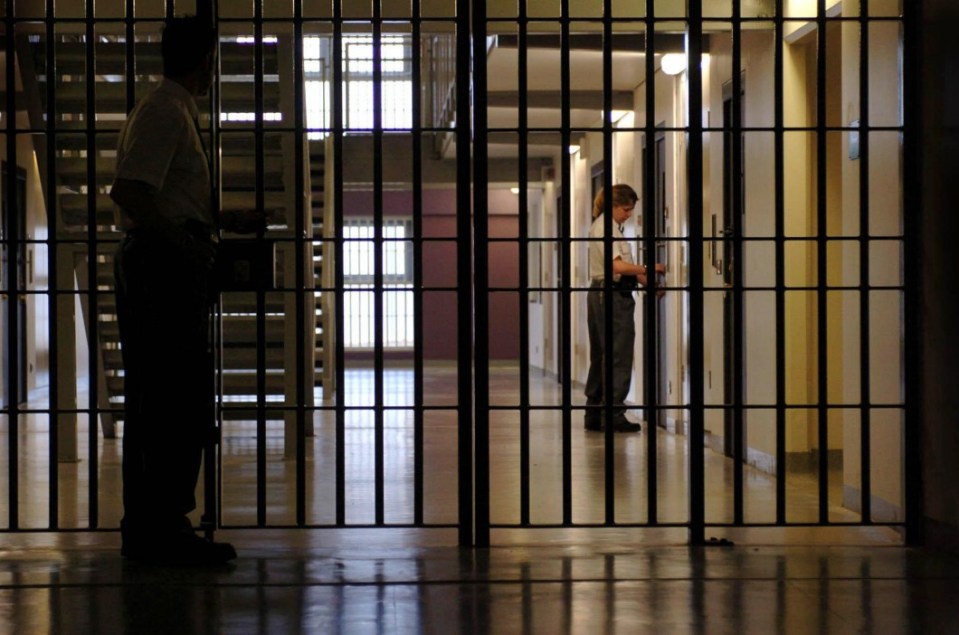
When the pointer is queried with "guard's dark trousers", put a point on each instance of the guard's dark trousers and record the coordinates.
(624, 334)
(163, 307)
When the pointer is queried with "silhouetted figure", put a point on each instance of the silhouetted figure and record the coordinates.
(626, 275)
(164, 299)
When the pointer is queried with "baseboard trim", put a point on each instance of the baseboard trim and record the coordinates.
(882, 510)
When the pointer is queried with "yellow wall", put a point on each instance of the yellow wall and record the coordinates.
(844, 326)
(885, 262)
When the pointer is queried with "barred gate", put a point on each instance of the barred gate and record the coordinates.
(426, 369)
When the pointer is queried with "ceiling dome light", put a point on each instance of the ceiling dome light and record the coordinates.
(673, 63)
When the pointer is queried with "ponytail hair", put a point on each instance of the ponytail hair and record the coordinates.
(623, 195)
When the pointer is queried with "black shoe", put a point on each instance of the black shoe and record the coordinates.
(196, 551)
(180, 549)
(625, 425)
(593, 424)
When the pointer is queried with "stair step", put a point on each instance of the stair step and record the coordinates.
(232, 303)
(74, 206)
(234, 58)
(245, 358)
(242, 330)
(238, 170)
(244, 383)
(111, 97)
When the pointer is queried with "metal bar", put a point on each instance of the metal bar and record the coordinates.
(93, 470)
(213, 455)
(821, 264)
(303, 247)
(779, 151)
(464, 343)
(53, 456)
(260, 179)
(418, 331)
(565, 252)
(913, 263)
(524, 340)
(738, 198)
(481, 343)
(697, 490)
(340, 353)
(13, 292)
(378, 245)
(864, 243)
(609, 454)
(650, 363)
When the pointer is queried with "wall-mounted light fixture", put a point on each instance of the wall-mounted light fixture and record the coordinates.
(673, 63)
(573, 149)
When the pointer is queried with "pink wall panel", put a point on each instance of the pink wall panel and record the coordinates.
(440, 266)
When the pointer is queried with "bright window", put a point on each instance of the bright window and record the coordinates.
(359, 269)
(396, 86)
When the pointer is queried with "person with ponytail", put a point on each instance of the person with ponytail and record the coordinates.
(626, 275)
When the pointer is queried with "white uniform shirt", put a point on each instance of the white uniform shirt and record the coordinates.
(597, 248)
(160, 146)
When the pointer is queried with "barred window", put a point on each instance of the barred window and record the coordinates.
(358, 51)
(359, 270)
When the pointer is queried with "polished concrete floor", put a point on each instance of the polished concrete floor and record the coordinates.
(587, 486)
(409, 580)
(359, 582)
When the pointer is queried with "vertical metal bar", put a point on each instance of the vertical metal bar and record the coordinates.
(481, 275)
(303, 249)
(865, 382)
(779, 152)
(650, 363)
(697, 489)
(565, 252)
(336, 108)
(912, 258)
(822, 410)
(378, 245)
(609, 455)
(213, 450)
(739, 269)
(464, 273)
(13, 292)
(523, 147)
(53, 456)
(418, 412)
(260, 180)
(93, 303)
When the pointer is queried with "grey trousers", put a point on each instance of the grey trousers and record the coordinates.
(624, 334)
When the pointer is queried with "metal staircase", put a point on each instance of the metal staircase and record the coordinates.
(76, 176)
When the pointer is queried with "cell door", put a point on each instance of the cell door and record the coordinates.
(661, 250)
(731, 220)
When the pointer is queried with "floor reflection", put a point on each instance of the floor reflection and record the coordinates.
(312, 582)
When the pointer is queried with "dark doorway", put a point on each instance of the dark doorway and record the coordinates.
(733, 178)
(13, 275)
(660, 230)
